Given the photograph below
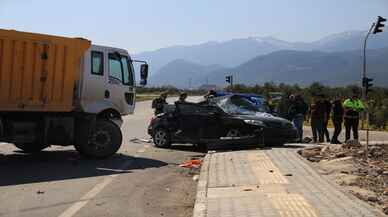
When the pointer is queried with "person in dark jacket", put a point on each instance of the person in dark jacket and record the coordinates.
(353, 106)
(317, 115)
(159, 103)
(338, 116)
(182, 97)
(327, 103)
(297, 112)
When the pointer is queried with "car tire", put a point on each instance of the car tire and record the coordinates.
(31, 147)
(161, 138)
(104, 142)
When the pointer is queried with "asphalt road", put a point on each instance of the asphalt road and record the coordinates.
(138, 181)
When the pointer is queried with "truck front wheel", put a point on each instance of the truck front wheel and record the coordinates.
(31, 147)
(104, 142)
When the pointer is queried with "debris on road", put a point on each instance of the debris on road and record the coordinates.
(195, 178)
(366, 178)
(40, 192)
(137, 140)
(191, 164)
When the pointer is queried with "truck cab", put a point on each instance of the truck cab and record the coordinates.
(107, 81)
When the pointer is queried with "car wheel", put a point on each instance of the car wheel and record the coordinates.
(161, 138)
(104, 142)
(233, 133)
(31, 147)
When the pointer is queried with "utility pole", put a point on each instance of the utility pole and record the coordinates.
(366, 82)
(364, 91)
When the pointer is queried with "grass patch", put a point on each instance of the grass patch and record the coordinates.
(145, 97)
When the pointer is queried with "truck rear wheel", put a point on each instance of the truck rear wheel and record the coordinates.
(31, 147)
(105, 141)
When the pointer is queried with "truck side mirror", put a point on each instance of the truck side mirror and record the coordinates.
(117, 55)
(143, 74)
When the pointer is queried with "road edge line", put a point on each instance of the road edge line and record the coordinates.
(200, 206)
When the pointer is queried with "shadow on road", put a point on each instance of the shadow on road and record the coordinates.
(291, 146)
(189, 148)
(20, 168)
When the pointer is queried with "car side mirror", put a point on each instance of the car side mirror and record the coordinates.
(143, 74)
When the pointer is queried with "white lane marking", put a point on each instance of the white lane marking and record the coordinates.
(72, 210)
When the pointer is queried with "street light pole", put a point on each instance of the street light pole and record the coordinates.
(364, 93)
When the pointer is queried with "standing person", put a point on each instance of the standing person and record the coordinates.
(289, 114)
(182, 98)
(338, 116)
(327, 104)
(353, 106)
(317, 114)
(297, 111)
(158, 103)
(210, 94)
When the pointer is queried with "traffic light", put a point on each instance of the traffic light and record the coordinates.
(367, 84)
(379, 25)
(229, 79)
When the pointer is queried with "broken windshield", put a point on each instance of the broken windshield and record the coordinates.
(237, 105)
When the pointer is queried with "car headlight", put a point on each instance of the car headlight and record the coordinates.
(255, 122)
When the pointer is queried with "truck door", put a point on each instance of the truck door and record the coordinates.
(120, 88)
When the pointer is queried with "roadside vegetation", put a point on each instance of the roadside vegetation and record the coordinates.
(378, 98)
(377, 103)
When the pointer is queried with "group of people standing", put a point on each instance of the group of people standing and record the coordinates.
(159, 103)
(321, 110)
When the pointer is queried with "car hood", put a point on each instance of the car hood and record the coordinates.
(268, 119)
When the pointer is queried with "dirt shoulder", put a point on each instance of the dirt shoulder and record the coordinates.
(365, 175)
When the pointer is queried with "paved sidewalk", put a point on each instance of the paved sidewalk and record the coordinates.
(270, 183)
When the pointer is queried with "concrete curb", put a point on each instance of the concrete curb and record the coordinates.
(200, 206)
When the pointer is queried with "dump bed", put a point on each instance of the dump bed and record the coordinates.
(39, 72)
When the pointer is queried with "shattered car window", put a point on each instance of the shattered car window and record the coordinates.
(237, 105)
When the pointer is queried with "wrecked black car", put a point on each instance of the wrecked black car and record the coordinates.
(222, 121)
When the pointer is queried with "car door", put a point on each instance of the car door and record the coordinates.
(120, 86)
(188, 122)
(211, 123)
(94, 79)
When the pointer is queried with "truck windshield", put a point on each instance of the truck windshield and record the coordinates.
(128, 71)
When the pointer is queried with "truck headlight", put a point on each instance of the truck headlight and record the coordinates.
(255, 122)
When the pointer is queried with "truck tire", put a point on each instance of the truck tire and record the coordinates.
(161, 138)
(31, 147)
(105, 141)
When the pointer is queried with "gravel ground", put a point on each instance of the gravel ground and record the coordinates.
(363, 175)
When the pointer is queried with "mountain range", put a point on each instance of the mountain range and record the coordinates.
(333, 60)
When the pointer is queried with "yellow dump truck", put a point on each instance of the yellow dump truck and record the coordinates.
(64, 91)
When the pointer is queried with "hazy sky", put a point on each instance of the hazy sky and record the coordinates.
(151, 24)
